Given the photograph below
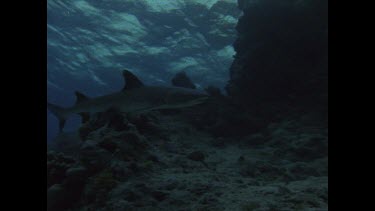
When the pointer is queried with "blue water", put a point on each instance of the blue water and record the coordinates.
(90, 42)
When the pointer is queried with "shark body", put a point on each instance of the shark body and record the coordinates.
(135, 97)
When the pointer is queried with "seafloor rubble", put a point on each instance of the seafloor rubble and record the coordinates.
(168, 161)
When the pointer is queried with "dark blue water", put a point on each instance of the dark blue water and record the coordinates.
(90, 42)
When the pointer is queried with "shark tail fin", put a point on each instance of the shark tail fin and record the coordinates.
(59, 112)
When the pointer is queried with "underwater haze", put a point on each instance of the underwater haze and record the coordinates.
(245, 128)
(90, 42)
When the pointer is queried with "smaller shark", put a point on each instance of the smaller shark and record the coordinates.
(134, 98)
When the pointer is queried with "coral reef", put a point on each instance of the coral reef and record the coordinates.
(283, 165)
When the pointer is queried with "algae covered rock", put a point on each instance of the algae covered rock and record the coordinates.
(56, 198)
(196, 156)
(93, 157)
(76, 175)
(57, 164)
(98, 187)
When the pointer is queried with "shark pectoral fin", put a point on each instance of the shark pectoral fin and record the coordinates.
(60, 113)
(131, 81)
(85, 116)
(80, 97)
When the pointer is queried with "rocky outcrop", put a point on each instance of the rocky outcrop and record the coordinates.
(281, 57)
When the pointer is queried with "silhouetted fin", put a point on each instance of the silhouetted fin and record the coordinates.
(80, 97)
(85, 116)
(182, 80)
(131, 81)
(59, 113)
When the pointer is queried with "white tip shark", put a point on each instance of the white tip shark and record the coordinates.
(135, 97)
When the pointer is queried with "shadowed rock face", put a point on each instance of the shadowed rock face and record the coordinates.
(282, 54)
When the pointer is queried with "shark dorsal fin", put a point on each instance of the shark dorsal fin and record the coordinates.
(131, 81)
(80, 97)
(182, 80)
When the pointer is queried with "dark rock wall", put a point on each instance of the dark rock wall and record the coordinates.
(282, 54)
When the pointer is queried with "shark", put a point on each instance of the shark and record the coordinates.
(134, 98)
